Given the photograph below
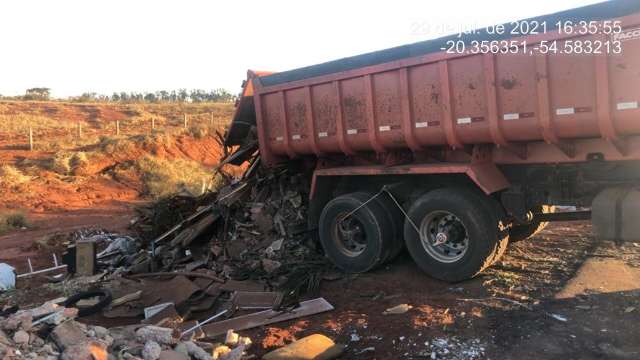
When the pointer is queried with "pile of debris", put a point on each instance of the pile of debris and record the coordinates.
(49, 332)
(253, 228)
(202, 268)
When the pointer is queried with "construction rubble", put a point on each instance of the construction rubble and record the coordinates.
(201, 269)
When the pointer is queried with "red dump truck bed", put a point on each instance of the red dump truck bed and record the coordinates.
(542, 97)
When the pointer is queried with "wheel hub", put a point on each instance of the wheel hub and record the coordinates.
(350, 236)
(441, 238)
(444, 236)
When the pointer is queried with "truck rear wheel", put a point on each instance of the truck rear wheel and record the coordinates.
(456, 236)
(523, 232)
(396, 243)
(355, 237)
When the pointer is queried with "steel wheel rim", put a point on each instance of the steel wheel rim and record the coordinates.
(444, 236)
(349, 235)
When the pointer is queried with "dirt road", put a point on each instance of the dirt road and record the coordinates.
(562, 296)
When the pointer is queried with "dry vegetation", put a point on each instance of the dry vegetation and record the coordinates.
(13, 220)
(151, 162)
(55, 124)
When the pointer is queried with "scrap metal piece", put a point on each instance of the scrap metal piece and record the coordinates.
(167, 317)
(309, 307)
(152, 310)
(200, 324)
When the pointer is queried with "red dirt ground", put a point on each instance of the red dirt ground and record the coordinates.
(57, 204)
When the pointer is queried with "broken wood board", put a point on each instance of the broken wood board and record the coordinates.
(244, 285)
(186, 236)
(177, 290)
(306, 308)
(127, 298)
(251, 300)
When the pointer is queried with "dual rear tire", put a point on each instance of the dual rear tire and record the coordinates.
(357, 233)
(452, 234)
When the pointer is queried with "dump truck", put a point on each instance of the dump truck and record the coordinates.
(455, 147)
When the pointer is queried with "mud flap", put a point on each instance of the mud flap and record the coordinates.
(614, 215)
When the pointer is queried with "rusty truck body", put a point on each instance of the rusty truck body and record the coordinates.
(455, 147)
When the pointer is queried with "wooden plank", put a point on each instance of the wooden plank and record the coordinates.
(253, 300)
(306, 308)
(85, 257)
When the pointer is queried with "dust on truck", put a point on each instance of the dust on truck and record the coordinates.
(457, 146)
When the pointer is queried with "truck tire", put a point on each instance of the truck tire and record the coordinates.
(396, 242)
(461, 237)
(523, 232)
(362, 241)
(501, 224)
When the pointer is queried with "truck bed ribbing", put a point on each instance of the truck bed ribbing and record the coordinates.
(600, 11)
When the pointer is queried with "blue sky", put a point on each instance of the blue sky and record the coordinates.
(117, 45)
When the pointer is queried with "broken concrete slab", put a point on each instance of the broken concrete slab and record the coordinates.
(89, 350)
(172, 355)
(21, 337)
(196, 351)
(312, 347)
(69, 333)
(164, 336)
(151, 350)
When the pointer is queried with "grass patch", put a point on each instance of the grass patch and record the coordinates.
(13, 220)
(12, 176)
(198, 131)
(65, 142)
(67, 163)
(20, 123)
(113, 144)
(162, 177)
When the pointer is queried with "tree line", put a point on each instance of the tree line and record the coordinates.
(161, 96)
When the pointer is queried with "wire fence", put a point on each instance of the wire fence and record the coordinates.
(84, 132)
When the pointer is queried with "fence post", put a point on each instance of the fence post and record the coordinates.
(185, 120)
(79, 129)
(153, 124)
(30, 139)
(117, 127)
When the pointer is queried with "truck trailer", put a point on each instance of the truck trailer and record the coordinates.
(455, 147)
